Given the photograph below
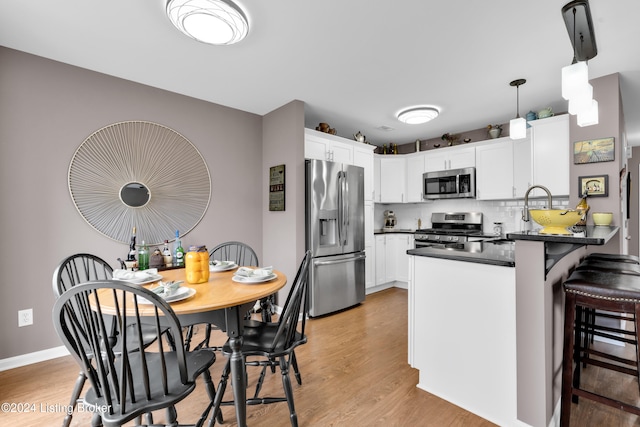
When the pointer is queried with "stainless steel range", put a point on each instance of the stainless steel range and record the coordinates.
(449, 228)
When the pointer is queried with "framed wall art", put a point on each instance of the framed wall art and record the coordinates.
(276, 188)
(595, 186)
(593, 151)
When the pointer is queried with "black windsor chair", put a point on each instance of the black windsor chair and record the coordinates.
(139, 379)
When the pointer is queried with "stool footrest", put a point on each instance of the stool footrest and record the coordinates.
(614, 403)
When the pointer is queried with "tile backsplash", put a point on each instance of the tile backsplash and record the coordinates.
(508, 212)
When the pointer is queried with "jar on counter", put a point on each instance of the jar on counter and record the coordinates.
(197, 264)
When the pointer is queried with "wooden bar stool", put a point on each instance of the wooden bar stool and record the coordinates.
(597, 290)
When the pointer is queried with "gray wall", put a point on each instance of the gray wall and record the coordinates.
(606, 90)
(47, 109)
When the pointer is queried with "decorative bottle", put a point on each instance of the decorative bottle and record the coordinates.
(143, 257)
(178, 252)
(583, 209)
(132, 247)
(197, 264)
(166, 254)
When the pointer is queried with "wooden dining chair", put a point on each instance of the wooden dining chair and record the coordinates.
(267, 342)
(83, 267)
(139, 379)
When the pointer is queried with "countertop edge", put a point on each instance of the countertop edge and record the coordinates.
(464, 258)
(592, 235)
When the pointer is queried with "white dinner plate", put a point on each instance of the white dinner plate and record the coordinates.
(224, 266)
(257, 279)
(152, 278)
(180, 294)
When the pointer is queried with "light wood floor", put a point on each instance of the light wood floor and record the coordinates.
(354, 371)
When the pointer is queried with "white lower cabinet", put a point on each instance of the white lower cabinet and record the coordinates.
(392, 261)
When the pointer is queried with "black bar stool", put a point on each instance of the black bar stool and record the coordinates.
(597, 290)
(613, 257)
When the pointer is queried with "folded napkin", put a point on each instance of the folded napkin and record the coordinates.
(258, 272)
(135, 276)
(166, 289)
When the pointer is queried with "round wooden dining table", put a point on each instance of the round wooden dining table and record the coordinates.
(222, 302)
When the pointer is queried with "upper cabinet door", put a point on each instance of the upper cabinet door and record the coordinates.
(551, 155)
(494, 171)
(392, 179)
(415, 168)
(450, 158)
(363, 157)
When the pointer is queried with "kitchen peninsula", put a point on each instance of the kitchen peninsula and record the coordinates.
(486, 318)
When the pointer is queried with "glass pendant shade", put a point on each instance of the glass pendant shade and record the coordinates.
(581, 101)
(575, 77)
(217, 22)
(517, 128)
(589, 116)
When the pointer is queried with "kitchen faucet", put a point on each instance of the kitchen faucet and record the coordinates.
(525, 212)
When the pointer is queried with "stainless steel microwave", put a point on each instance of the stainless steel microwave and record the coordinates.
(450, 184)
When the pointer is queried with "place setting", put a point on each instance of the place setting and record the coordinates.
(139, 277)
(254, 275)
(170, 291)
(216, 265)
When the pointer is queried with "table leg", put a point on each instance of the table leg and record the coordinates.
(238, 381)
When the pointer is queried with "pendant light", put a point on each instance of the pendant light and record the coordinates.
(217, 22)
(575, 77)
(518, 126)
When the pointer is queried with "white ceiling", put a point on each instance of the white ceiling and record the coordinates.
(354, 63)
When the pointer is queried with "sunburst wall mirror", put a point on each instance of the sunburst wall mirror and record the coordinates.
(139, 174)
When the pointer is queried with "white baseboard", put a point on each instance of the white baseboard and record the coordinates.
(35, 357)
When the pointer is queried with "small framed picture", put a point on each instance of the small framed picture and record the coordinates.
(593, 151)
(594, 186)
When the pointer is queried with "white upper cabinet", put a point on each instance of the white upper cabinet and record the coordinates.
(323, 146)
(494, 170)
(450, 158)
(503, 169)
(391, 179)
(415, 168)
(363, 157)
(522, 166)
(551, 155)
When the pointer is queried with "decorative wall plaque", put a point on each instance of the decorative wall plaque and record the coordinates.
(276, 188)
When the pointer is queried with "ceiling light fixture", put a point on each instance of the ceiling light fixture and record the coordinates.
(418, 115)
(218, 22)
(575, 77)
(518, 126)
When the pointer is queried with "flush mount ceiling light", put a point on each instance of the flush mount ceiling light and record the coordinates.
(418, 115)
(218, 22)
(518, 126)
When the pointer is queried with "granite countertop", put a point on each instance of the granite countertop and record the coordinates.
(499, 252)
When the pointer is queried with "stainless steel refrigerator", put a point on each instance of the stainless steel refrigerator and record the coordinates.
(335, 235)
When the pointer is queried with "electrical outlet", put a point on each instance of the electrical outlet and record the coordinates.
(25, 317)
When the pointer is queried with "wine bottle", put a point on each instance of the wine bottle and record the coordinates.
(178, 252)
(143, 257)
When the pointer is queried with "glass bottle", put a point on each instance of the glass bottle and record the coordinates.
(583, 208)
(178, 252)
(166, 254)
(143, 257)
(197, 264)
(395, 148)
(132, 247)
(384, 148)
